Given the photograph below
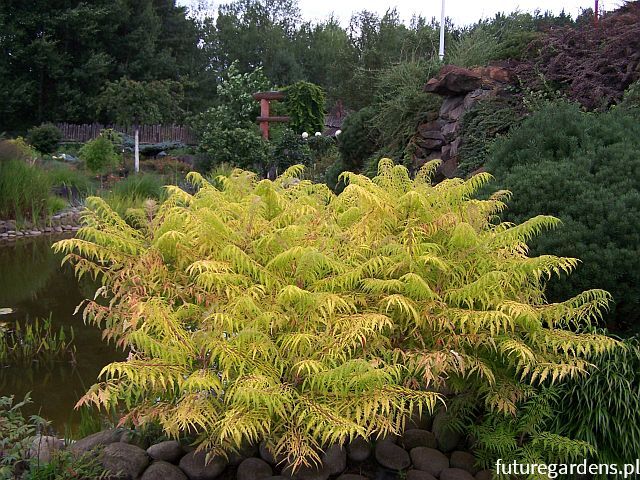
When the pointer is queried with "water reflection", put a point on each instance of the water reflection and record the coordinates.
(33, 284)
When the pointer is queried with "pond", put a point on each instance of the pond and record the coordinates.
(35, 285)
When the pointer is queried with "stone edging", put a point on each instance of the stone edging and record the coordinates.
(63, 222)
(426, 451)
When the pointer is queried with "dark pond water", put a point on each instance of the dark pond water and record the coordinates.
(33, 284)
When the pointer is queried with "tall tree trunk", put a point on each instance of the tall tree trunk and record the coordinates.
(136, 153)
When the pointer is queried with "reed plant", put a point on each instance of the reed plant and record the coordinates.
(24, 191)
(37, 340)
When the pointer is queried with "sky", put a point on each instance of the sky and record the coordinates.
(463, 12)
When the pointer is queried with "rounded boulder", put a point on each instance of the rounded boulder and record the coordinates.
(391, 456)
(169, 451)
(429, 460)
(416, 437)
(419, 475)
(163, 471)
(455, 474)
(124, 460)
(359, 450)
(196, 467)
(253, 469)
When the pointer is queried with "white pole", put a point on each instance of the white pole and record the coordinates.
(441, 53)
(136, 153)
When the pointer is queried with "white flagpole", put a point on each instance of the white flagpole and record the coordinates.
(441, 53)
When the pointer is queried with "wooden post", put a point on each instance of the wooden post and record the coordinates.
(264, 119)
(264, 112)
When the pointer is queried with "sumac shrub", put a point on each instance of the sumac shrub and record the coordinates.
(278, 311)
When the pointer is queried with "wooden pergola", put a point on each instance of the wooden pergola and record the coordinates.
(265, 119)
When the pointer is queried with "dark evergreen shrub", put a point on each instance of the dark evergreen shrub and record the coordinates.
(585, 169)
(45, 138)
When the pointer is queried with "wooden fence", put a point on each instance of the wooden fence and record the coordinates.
(148, 133)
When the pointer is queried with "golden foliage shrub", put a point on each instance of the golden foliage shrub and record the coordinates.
(279, 311)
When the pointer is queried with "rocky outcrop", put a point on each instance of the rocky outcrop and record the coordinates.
(439, 137)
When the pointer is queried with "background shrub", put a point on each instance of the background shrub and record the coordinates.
(585, 169)
(45, 138)
(481, 125)
(305, 103)
(321, 146)
(227, 132)
(17, 149)
(289, 148)
(100, 155)
(358, 139)
(401, 104)
(241, 146)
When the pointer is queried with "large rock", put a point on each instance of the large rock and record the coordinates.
(135, 438)
(316, 472)
(351, 476)
(452, 108)
(163, 471)
(484, 475)
(267, 455)
(448, 168)
(253, 469)
(432, 126)
(455, 474)
(97, 440)
(448, 439)
(416, 437)
(195, 466)
(124, 460)
(169, 451)
(235, 458)
(335, 459)
(494, 74)
(431, 143)
(43, 447)
(391, 456)
(429, 460)
(419, 475)
(359, 449)
(465, 461)
(474, 97)
(454, 80)
(450, 130)
(454, 147)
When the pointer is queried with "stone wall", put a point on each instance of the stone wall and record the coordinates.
(427, 450)
(461, 88)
